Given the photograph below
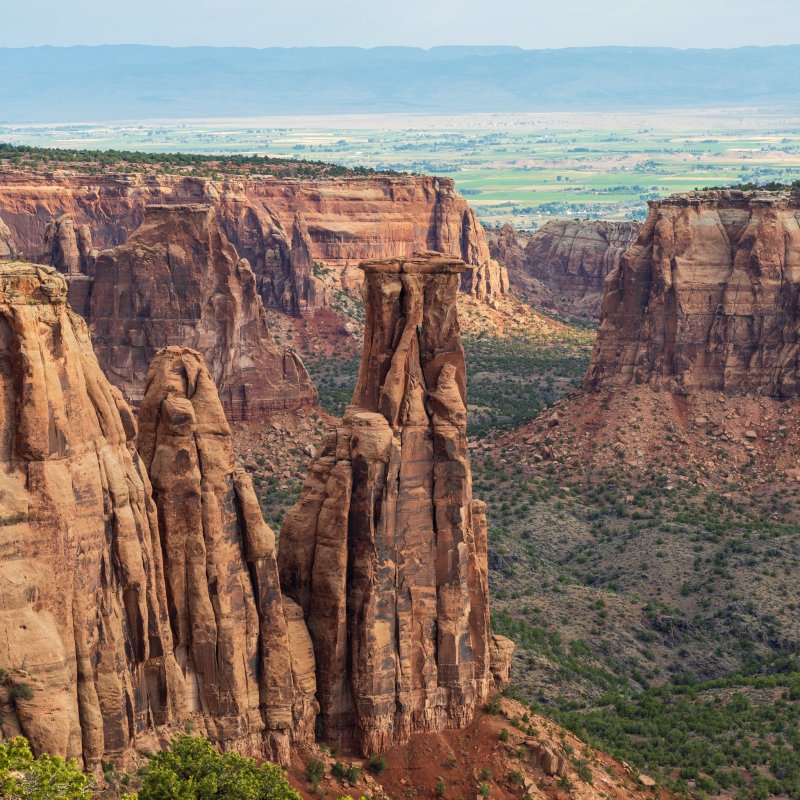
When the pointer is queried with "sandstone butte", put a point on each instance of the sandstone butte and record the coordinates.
(563, 265)
(706, 299)
(281, 226)
(386, 549)
(100, 573)
(177, 280)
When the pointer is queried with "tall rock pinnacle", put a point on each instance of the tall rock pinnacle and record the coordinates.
(231, 636)
(385, 551)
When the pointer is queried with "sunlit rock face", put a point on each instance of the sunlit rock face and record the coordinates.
(385, 551)
(707, 298)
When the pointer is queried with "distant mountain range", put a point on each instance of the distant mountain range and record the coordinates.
(124, 82)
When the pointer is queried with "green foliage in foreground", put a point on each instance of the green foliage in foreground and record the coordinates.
(738, 734)
(192, 769)
(23, 777)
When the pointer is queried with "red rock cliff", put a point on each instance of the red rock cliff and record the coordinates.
(83, 606)
(385, 551)
(346, 220)
(179, 281)
(707, 298)
(254, 686)
(563, 264)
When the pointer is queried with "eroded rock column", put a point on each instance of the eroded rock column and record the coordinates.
(249, 671)
(385, 552)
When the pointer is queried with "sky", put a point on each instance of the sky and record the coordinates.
(419, 23)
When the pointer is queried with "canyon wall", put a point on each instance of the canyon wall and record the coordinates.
(706, 298)
(563, 265)
(276, 224)
(385, 550)
(128, 608)
(177, 280)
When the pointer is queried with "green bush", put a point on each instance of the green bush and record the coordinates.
(378, 764)
(23, 777)
(192, 769)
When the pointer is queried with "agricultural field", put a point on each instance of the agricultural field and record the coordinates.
(520, 168)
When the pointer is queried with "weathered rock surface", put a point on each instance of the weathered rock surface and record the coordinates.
(83, 607)
(7, 247)
(563, 264)
(68, 247)
(179, 281)
(707, 298)
(342, 221)
(231, 635)
(385, 551)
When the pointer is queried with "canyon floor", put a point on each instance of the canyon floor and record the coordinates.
(644, 552)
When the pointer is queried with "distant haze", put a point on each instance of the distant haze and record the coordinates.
(136, 82)
(416, 23)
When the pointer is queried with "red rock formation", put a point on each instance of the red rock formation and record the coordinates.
(231, 637)
(347, 219)
(385, 551)
(7, 247)
(68, 247)
(179, 281)
(563, 264)
(706, 298)
(83, 610)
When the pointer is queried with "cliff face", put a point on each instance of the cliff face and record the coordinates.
(563, 264)
(83, 609)
(707, 298)
(253, 675)
(385, 551)
(179, 281)
(68, 247)
(128, 608)
(8, 249)
(277, 224)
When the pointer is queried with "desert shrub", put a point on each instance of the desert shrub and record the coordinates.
(192, 769)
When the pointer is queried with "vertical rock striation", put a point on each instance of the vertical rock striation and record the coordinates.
(385, 551)
(231, 636)
(8, 249)
(707, 298)
(342, 221)
(179, 281)
(563, 264)
(83, 607)
(68, 247)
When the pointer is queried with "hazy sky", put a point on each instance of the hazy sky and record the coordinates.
(422, 23)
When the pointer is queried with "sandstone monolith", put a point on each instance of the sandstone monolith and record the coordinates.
(386, 550)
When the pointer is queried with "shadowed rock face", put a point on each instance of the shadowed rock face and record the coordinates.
(385, 551)
(179, 281)
(252, 679)
(707, 298)
(275, 224)
(68, 247)
(7, 247)
(83, 608)
(563, 264)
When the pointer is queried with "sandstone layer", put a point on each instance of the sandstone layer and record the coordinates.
(386, 549)
(83, 607)
(277, 224)
(563, 265)
(252, 673)
(179, 281)
(706, 299)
